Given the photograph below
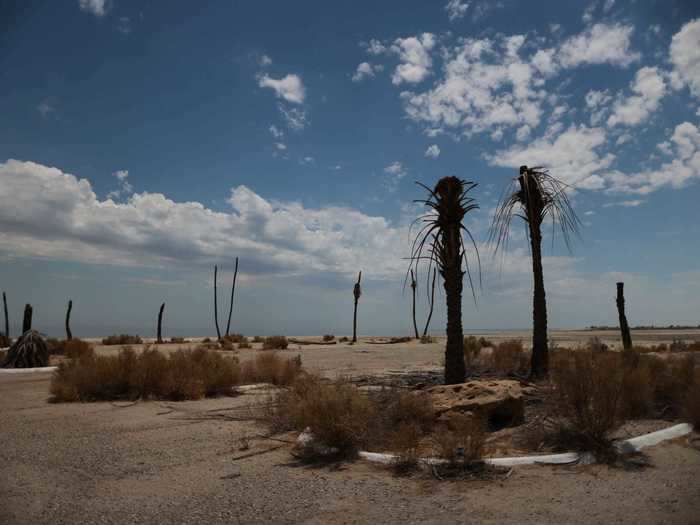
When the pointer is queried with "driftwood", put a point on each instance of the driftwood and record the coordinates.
(392, 341)
(300, 342)
(29, 351)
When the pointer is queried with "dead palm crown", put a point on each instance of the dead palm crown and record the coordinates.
(440, 242)
(533, 196)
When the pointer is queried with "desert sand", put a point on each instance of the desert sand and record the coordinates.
(206, 462)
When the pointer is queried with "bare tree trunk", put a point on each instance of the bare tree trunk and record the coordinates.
(233, 289)
(539, 364)
(69, 334)
(356, 292)
(624, 327)
(216, 307)
(27, 321)
(413, 289)
(432, 303)
(455, 368)
(7, 319)
(159, 339)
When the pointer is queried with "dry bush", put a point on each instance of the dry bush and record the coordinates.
(328, 337)
(206, 340)
(586, 399)
(258, 339)
(122, 339)
(510, 357)
(404, 442)
(472, 349)
(275, 342)
(269, 367)
(463, 442)
(678, 345)
(694, 346)
(343, 339)
(185, 374)
(5, 341)
(660, 348)
(637, 396)
(395, 408)
(3, 354)
(235, 338)
(208, 345)
(338, 414)
(426, 339)
(178, 340)
(691, 408)
(244, 344)
(595, 345)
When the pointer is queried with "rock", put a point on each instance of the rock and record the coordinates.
(500, 402)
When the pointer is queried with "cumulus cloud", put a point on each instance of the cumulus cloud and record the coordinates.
(374, 47)
(289, 88)
(276, 132)
(685, 57)
(296, 118)
(648, 88)
(573, 155)
(99, 8)
(599, 44)
(264, 61)
(414, 53)
(48, 213)
(456, 9)
(394, 173)
(366, 69)
(125, 187)
(684, 147)
(433, 151)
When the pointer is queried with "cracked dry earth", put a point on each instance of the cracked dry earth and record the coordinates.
(187, 462)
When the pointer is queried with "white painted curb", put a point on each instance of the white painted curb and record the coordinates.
(626, 446)
(27, 370)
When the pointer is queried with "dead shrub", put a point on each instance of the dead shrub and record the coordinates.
(404, 442)
(426, 339)
(678, 345)
(637, 396)
(595, 345)
(275, 342)
(269, 367)
(235, 338)
(258, 339)
(5, 341)
(343, 339)
(510, 357)
(586, 396)
(122, 339)
(691, 408)
(472, 349)
(244, 344)
(337, 413)
(73, 348)
(328, 337)
(693, 347)
(185, 374)
(178, 340)
(463, 441)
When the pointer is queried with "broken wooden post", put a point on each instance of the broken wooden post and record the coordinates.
(69, 334)
(624, 327)
(159, 339)
(233, 289)
(27, 320)
(216, 307)
(356, 292)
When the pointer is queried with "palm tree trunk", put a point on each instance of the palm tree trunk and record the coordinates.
(455, 370)
(69, 334)
(27, 320)
(356, 292)
(432, 303)
(539, 366)
(233, 290)
(413, 288)
(216, 306)
(624, 327)
(7, 319)
(159, 339)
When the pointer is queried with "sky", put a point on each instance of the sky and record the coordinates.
(141, 143)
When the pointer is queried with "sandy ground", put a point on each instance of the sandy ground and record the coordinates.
(163, 462)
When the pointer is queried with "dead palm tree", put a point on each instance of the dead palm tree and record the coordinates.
(440, 242)
(533, 196)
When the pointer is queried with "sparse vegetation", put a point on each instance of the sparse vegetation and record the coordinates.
(472, 348)
(185, 374)
(258, 339)
(5, 341)
(235, 338)
(268, 367)
(178, 340)
(244, 344)
(510, 357)
(463, 442)
(328, 337)
(122, 339)
(275, 342)
(343, 339)
(426, 339)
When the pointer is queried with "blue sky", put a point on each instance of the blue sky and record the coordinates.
(143, 142)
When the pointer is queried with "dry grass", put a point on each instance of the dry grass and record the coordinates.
(235, 338)
(463, 441)
(185, 374)
(510, 357)
(122, 339)
(275, 342)
(73, 348)
(269, 367)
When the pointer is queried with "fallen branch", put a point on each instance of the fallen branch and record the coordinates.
(299, 342)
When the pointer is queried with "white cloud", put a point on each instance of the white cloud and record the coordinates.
(366, 69)
(573, 156)
(296, 118)
(374, 47)
(415, 58)
(677, 172)
(125, 187)
(394, 173)
(264, 61)
(433, 151)
(98, 8)
(276, 132)
(625, 204)
(45, 108)
(281, 146)
(608, 5)
(305, 161)
(124, 25)
(290, 87)
(685, 57)
(45, 212)
(599, 44)
(649, 88)
(456, 9)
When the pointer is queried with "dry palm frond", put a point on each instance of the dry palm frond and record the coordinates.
(533, 196)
